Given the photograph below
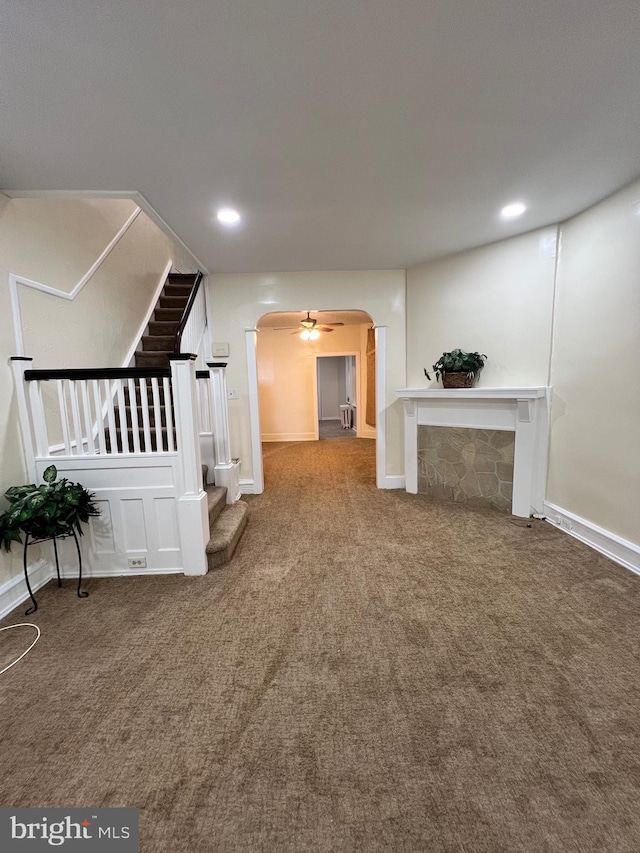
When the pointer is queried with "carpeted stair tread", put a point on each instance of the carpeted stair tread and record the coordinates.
(182, 277)
(163, 327)
(216, 502)
(153, 343)
(175, 302)
(167, 315)
(159, 358)
(226, 533)
(173, 289)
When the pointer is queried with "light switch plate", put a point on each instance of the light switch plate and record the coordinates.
(220, 348)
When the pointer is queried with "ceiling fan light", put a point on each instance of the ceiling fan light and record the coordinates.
(314, 334)
(305, 335)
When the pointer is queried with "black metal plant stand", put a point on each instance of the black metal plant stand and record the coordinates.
(81, 593)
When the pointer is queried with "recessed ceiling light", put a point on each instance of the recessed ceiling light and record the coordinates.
(516, 208)
(228, 216)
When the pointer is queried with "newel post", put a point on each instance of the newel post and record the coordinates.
(193, 517)
(19, 365)
(227, 472)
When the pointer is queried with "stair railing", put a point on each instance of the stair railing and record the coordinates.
(96, 412)
(130, 434)
(193, 321)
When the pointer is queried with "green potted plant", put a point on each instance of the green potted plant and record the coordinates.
(458, 369)
(42, 512)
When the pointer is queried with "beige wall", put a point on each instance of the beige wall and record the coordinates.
(507, 299)
(55, 242)
(238, 301)
(496, 300)
(594, 466)
(287, 384)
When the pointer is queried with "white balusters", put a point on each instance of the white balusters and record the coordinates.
(146, 428)
(95, 415)
(64, 417)
(133, 408)
(168, 414)
(111, 419)
(97, 402)
(196, 323)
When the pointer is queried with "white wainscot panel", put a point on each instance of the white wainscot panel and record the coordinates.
(101, 530)
(166, 524)
(134, 526)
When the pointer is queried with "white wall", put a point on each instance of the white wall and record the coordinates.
(594, 466)
(496, 300)
(236, 302)
(508, 300)
(55, 242)
(286, 380)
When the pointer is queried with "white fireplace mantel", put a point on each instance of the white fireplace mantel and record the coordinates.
(524, 411)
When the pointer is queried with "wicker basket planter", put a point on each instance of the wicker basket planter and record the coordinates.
(457, 380)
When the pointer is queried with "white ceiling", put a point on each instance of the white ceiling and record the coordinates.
(351, 134)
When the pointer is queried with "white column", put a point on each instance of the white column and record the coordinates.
(381, 407)
(19, 365)
(251, 341)
(411, 446)
(524, 458)
(193, 517)
(226, 471)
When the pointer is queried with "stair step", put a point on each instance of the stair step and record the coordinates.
(183, 289)
(163, 327)
(153, 359)
(182, 277)
(175, 302)
(216, 502)
(158, 342)
(167, 315)
(226, 533)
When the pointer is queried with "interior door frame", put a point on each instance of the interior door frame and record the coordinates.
(256, 485)
(316, 413)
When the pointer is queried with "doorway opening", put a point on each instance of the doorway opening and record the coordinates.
(282, 355)
(337, 395)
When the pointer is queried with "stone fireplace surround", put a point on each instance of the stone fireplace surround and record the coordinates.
(524, 411)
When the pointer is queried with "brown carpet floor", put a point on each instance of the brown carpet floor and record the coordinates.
(331, 430)
(374, 672)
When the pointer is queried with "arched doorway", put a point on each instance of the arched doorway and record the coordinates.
(284, 407)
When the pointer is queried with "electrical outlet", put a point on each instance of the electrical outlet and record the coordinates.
(137, 562)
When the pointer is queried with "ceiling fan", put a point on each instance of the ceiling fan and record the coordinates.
(310, 328)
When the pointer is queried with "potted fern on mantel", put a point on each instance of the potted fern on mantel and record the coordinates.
(52, 510)
(458, 369)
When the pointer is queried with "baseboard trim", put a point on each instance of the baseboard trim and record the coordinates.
(393, 481)
(123, 573)
(620, 550)
(14, 591)
(248, 487)
(288, 436)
